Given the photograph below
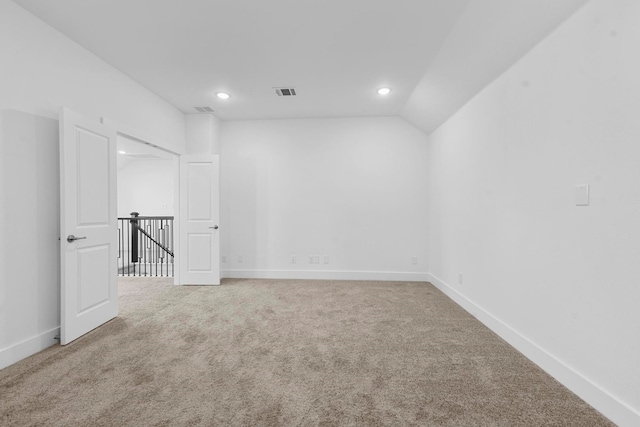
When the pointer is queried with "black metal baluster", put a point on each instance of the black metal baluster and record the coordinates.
(141, 252)
(166, 245)
(160, 253)
(129, 263)
(137, 268)
(134, 240)
(152, 246)
(165, 258)
(145, 248)
(146, 241)
(171, 240)
(124, 258)
(172, 245)
(152, 231)
(155, 252)
(148, 267)
(147, 245)
(150, 258)
(140, 249)
(119, 249)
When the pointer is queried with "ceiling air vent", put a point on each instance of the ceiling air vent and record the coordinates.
(285, 91)
(204, 109)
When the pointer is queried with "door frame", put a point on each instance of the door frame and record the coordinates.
(144, 138)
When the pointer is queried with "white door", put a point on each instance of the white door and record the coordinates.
(199, 212)
(88, 225)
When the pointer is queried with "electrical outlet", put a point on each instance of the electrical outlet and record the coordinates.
(310, 259)
(414, 260)
(240, 259)
(460, 278)
(293, 259)
(326, 259)
(223, 258)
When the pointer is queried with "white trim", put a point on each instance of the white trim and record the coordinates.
(16, 352)
(176, 220)
(595, 395)
(146, 139)
(401, 276)
(131, 133)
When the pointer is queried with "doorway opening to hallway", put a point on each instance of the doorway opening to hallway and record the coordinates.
(146, 207)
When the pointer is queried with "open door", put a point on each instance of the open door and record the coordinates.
(88, 224)
(199, 259)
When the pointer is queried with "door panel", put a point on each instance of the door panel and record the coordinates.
(88, 213)
(199, 260)
(93, 278)
(199, 210)
(200, 175)
(93, 178)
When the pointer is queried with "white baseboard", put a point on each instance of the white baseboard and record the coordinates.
(609, 405)
(399, 276)
(16, 352)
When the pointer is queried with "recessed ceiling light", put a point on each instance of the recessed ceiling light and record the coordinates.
(223, 95)
(122, 152)
(384, 91)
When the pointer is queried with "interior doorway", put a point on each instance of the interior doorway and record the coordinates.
(89, 176)
(146, 208)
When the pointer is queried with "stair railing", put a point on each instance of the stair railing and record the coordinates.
(145, 246)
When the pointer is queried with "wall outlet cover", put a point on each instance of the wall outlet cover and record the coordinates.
(582, 195)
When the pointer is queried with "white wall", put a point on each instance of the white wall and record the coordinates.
(203, 134)
(559, 281)
(42, 71)
(353, 190)
(146, 187)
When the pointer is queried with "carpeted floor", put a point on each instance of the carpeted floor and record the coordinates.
(277, 352)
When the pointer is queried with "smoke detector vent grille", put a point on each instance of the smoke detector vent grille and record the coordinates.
(285, 91)
(204, 109)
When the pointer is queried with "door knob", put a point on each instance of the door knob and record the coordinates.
(72, 238)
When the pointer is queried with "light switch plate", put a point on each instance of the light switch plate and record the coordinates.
(582, 195)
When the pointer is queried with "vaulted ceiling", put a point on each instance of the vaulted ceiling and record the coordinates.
(434, 54)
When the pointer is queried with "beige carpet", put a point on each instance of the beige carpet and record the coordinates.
(276, 352)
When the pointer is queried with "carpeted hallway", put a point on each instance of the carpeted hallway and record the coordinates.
(278, 352)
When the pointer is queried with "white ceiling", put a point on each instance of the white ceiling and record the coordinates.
(434, 54)
(489, 37)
